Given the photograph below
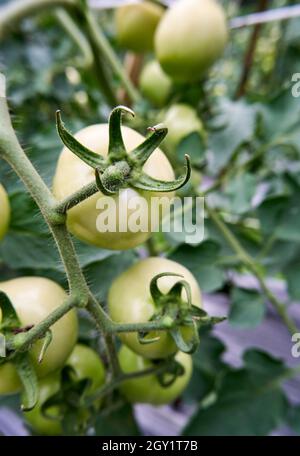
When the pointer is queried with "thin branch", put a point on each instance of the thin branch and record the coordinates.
(251, 265)
(23, 341)
(76, 198)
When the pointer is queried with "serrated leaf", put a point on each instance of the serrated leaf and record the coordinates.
(120, 422)
(250, 402)
(247, 308)
(200, 260)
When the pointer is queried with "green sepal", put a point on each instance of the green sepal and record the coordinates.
(142, 152)
(47, 341)
(89, 157)
(182, 345)
(169, 376)
(155, 292)
(101, 187)
(28, 377)
(116, 148)
(10, 319)
(176, 291)
(142, 338)
(147, 183)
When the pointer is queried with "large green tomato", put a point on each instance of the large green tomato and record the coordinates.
(191, 36)
(129, 301)
(136, 25)
(4, 212)
(181, 120)
(86, 364)
(72, 174)
(155, 84)
(34, 298)
(147, 389)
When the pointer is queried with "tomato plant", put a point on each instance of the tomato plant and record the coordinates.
(136, 25)
(190, 38)
(4, 212)
(137, 305)
(148, 389)
(34, 298)
(162, 107)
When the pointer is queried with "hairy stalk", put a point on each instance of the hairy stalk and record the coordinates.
(23, 341)
(85, 192)
(110, 387)
(252, 267)
(12, 152)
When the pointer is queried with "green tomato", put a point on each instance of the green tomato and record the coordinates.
(191, 36)
(4, 212)
(34, 298)
(129, 301)
(136, 25)
(181, 120)
(86, 364)
(155, 84)
(41, 424)
(72, 174)
(147, 389)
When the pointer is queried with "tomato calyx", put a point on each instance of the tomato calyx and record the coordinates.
(9, 324)
(177, 313)
(119, 169)
(69, 401)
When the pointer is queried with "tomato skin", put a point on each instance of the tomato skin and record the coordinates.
(72, 174)
(155, 84)
(34, 298)
(190, 38)
(136, 25)
(86, 364)
(147, 389)
(129, 301)
(181, 120)
(4, 212)
(41, 424)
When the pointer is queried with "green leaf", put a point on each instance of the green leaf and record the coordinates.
(120, 422)
(294, 418)
(240, 191)
(194, 146)
(239, 120)
(208, 367)
(247, 308)
(250, 401)
(201, 261)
